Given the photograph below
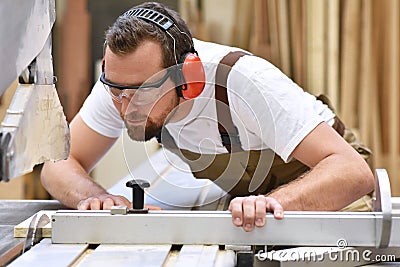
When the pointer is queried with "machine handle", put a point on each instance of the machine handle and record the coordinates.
(138, 186)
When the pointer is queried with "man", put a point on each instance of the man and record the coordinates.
(235, 120)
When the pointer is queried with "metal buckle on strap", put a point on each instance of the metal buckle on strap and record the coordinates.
(232, 139)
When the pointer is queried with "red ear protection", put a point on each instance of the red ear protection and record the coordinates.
(190, 77)
(193, 75)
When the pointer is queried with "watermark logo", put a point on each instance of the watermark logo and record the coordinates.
(340, 253)
(341, 243)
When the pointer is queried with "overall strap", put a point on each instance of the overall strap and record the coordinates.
(227, 130)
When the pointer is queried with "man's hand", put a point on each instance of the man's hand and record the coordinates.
(106, 201)
(251, 210)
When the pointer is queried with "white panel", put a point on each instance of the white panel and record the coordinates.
(47, 254)
(127, 255)
(197, 256)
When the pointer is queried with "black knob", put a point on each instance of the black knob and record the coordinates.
(138, 186)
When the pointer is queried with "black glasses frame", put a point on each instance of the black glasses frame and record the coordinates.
(143, 86)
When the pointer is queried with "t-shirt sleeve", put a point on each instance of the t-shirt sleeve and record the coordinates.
(281, 113)
(100, 114)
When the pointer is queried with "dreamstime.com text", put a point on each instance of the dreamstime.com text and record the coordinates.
(340, 253)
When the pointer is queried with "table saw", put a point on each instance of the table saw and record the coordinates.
(193, 229)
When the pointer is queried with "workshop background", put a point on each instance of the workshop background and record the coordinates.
(346, 49)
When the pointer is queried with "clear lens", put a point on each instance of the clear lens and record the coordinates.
(116, 94)
(147, 93)
(135, 96)
(144, 96)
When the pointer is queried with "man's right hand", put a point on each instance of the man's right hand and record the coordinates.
(103, 202)
(106, 201)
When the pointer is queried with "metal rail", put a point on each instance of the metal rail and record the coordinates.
(196, 227)
(367, 229)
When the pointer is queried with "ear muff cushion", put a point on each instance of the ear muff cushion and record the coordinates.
(193, 73)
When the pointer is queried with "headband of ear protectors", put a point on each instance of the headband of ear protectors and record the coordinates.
(190, 79)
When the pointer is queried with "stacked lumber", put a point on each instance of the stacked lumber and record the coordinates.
(346, 49)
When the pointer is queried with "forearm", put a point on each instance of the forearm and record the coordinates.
(331, 185)
(68, 182)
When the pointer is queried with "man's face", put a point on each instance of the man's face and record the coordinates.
(144, 111)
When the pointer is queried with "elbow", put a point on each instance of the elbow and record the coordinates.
(366, 179)
(44, 176)
(48, 174)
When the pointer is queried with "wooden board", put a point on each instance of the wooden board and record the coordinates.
(21, 229)
(297, 41)
(284, 37)
(332, 52)
(350, 61)
(47, 254)
(315, 27)
(10, 247)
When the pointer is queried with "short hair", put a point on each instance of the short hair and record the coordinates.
(128, 32)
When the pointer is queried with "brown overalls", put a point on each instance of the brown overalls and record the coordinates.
(243, 173)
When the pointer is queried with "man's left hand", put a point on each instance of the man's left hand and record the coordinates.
(251, 210)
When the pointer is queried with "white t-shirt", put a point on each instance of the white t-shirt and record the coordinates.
(269, 110)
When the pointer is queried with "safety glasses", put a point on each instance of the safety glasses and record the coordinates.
(138, 94)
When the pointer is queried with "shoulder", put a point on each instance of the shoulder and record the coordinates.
(211, 52)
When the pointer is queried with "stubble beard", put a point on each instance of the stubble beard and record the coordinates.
(152, 126)
(144, 132)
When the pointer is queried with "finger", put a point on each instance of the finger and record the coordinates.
(122, 201)
(83, 205)
(95, 204)
(151, 207)
(249, 213)
(260, 206)
(235, 207)
(274, 206)
(108, 203)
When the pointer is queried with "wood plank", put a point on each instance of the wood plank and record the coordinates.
(332, 52)
(74, 42)
(127, 255)
(369, 111)
(367, 107)
(273, 32)
(393, 54)
(315, 46)
(261, 42)
(241, 31)
(350, 61)
(21, 229)
(383, 94)
(47, 254)
(284, 36)
(297, 41)
(10, 247)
